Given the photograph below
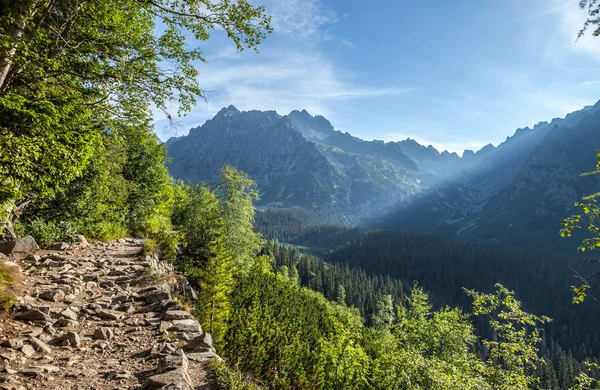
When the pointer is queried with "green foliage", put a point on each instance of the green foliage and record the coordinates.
(237, 192)
(421, 349)
(513, 354)
(224, 378)
(590, 221)
(164, 244)
(586, 380)
(7, 281)
(48, 232)
(125, 188)
(220, 242)
(291, 337)
(70, 70)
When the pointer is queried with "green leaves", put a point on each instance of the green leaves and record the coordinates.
(513, 354)
(70, 70)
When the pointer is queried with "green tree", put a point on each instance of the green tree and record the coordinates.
(512, 354)
(237, 192)
(71, 69)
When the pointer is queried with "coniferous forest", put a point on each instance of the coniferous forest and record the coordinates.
(293, 299)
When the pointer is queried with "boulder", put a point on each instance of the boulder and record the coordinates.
(175, 379)
(32, 315)
(72, 339)
(111, 315)
(40, 346)
(187, 326)
(103, 333)
(203, 343)
(173, 362)
(175, 315)
(56, 295)
(23, 245)
(28, 350)
(12, 344)
(68, 314)
(59, 246)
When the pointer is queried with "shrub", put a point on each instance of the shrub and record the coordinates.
(47, 232)
(164, 244)
(7, 281)
(225, 378)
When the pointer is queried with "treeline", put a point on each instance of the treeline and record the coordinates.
(353, 287)
(337, 282)
(542, 280)
(284, 335)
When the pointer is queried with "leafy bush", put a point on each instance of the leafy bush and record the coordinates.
(164, 244)
(47, 232)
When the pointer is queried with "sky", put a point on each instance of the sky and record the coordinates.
(454, 74)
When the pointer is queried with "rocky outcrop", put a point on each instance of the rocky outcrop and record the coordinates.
(23, 245)
(100, 317)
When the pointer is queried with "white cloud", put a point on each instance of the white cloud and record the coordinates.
(572, 21)
(348, 44)
(284, 81)
(303, 19)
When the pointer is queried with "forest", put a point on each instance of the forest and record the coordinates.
(340, 309)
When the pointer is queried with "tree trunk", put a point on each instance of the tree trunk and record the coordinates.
(21, 14)
(13, 211)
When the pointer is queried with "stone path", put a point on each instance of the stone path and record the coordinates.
(99, 317)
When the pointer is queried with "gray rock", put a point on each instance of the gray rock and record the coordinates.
(203, 342)
(53, 295)
(157, 296)
(65, 323)
(59, 246)
(31, 371)
(69, 314)
(72, 339)
(32, 315)
(202, 357)
(176, 315)
(40, 346)
(175, 379)
(28, 350)
(33, 257)
(103, 333)
(12, 343)
(111, 315)
(173, 362)
(23, 245)
(187, 326)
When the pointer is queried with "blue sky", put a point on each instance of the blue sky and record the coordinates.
(455, 74)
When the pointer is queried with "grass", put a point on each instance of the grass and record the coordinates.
(9, 276)
(226, 378)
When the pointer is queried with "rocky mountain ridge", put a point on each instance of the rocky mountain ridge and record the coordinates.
(100, 317)
(302, 161)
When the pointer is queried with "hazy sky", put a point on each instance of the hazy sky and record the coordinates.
(455, 74)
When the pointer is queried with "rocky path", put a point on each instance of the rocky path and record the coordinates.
(100, 317)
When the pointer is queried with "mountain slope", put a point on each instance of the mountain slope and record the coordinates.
(519, 193)
(290, 169)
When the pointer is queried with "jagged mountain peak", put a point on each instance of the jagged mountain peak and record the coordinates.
(228, 112)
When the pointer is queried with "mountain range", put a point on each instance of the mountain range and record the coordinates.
(516, 192)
